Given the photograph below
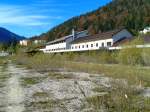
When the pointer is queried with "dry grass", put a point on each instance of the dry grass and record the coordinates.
(137, 75)
(3, 60)
(121, 98)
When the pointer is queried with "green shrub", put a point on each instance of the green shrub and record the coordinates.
(107, 57)
(146, 56)
(131, 56)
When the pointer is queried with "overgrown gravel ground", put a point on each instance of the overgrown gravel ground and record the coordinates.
(64, 91)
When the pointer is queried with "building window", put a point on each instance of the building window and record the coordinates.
(87, 46)
(108, 44)
(102, 44)
(91, 45)
(76, 47)
(82, 46)
(72, 47)
(79, 47)
(96, 44)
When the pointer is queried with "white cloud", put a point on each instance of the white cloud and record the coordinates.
(23, 16)
(52, 4)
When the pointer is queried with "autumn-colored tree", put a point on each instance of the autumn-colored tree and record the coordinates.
(133, 14)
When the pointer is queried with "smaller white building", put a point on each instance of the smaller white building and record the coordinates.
(145, 31)
(24, 42)
(38, 41)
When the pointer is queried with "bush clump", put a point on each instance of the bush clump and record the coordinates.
(130, 56)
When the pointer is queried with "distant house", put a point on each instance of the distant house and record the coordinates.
(145, 31)
(24, 42)
(38, 41)
(81, 41)
(32, 41)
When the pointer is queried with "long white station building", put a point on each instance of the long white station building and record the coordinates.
(81, 41)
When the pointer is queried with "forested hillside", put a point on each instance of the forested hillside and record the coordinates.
(133, 14)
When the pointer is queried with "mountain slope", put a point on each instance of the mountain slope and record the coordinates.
(133, 14)
(7, 37)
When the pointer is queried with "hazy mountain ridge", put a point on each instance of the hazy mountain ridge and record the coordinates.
(133, 14)
(7, 37)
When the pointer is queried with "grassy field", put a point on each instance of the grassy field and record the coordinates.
(130, 65)
(105, 63)
(3, 60)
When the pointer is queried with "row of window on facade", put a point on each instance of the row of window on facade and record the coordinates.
(92, 45)
(58, 49)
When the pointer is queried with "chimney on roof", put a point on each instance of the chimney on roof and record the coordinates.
(73, 33)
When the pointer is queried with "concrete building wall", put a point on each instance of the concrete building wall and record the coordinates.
(92, 45)
(24, 42)
(74, 37)
(68, 41)
(58, 46)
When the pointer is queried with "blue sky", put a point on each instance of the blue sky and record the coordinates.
(33, 17)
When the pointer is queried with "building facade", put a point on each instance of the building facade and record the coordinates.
(100, 41)
(81, 41)
(24, 42)
(64, 43)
